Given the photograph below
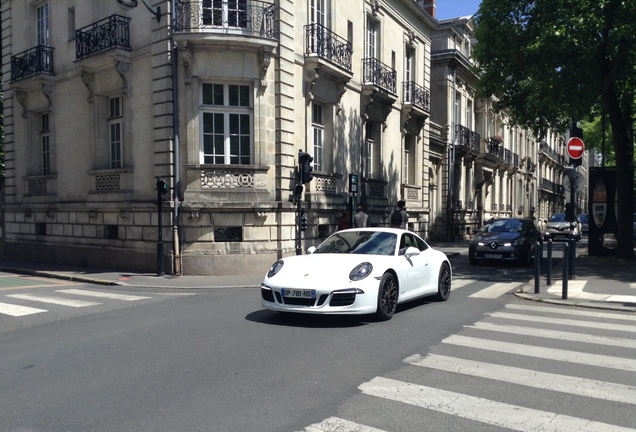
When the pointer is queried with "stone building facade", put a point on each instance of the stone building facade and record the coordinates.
(103, 100)
(217, 99)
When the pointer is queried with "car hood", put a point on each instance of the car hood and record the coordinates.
(326, 269)
(559, 224)
(500, 237)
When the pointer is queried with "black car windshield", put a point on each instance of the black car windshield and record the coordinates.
(359, 242)
(558, 217)
(502, 225)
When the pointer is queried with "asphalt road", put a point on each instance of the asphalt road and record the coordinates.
(215, 361)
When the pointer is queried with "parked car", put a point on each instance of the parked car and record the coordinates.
(559, 228)
(505, 239)
(358, 271)
(584, 221)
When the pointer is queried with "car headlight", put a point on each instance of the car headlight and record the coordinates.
(275, 268)
(361, 271)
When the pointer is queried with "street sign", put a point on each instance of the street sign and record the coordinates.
(575, 148)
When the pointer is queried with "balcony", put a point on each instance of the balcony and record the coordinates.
(464, 137)
(251, 18)
(416, 95)
(34, 61)
(379, 75)
(322, 44)
(111, 32)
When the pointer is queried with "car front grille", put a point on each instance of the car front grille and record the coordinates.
(342, 299)
(267, 295)
(300, 301)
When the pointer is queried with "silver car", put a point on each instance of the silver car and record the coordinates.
(559, 228)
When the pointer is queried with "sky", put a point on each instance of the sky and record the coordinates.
(455, 8)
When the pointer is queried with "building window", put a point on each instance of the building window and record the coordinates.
(42, 31)
(226, 115)
(371, 47)
(45, 141)
(115, 132)
(318, 11)
(224, 13)
(318, 129)
(408, 174)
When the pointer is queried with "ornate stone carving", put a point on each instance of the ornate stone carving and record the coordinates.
(21, 97)
(47, 91)
(226, 180)
(265, 58)
(123, 69)
(186, 59)
(311, 75)
(88, 79)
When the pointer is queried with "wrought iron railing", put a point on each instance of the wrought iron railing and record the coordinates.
(379, 74)
(417, 95)
(467, 138)
(111, 32)
(33, 61)
(324, 43)
(252, 18)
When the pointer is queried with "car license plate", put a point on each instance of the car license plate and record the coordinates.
(493, 255)
(299, 293)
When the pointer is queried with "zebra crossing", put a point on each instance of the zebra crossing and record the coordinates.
(74, 298)
(540, 355)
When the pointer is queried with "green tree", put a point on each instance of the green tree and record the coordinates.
(552, 61)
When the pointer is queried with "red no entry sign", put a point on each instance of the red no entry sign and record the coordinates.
(575, 148)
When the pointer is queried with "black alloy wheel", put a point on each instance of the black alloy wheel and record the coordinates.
(387, 297)
(444, 283)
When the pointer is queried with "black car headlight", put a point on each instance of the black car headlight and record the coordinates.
(361, 271)
(275, 268)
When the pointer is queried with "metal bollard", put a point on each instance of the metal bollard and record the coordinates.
(572, 259)
(538, 253)
(549, 269)
(566, 262)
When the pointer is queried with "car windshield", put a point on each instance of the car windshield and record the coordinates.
(558, 217)
(502, 225)
(359, 242)
(583, 218)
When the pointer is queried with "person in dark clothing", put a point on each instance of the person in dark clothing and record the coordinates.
(399, 216)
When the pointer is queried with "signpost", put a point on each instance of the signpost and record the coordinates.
(575, 148)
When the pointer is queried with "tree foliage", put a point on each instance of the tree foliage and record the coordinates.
(553, 61)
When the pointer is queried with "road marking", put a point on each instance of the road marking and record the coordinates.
(54, 300)
(16, 311)
(461, 283)
(553, 334)
(543, 353)
(529, 378)
(333, 424)
(496, 290)
(113, 296)
(564, 321)
(572, 311)
(501, 414)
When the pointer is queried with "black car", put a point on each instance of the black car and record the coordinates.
(505, 239)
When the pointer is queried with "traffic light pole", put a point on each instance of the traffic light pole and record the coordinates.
(160, 260)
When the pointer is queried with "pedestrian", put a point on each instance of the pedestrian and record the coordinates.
(360, 219)
(343, 223)
(399, 216)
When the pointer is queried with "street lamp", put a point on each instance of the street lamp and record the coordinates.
(131, 4)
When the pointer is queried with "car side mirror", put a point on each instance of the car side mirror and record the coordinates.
(311, 249)
(411, 251)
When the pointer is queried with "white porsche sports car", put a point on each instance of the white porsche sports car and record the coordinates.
(358, 271)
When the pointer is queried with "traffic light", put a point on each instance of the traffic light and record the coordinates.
(304, 167)
(303, 219)
(162, 186)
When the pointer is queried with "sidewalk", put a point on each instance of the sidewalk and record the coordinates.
(599, 282)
